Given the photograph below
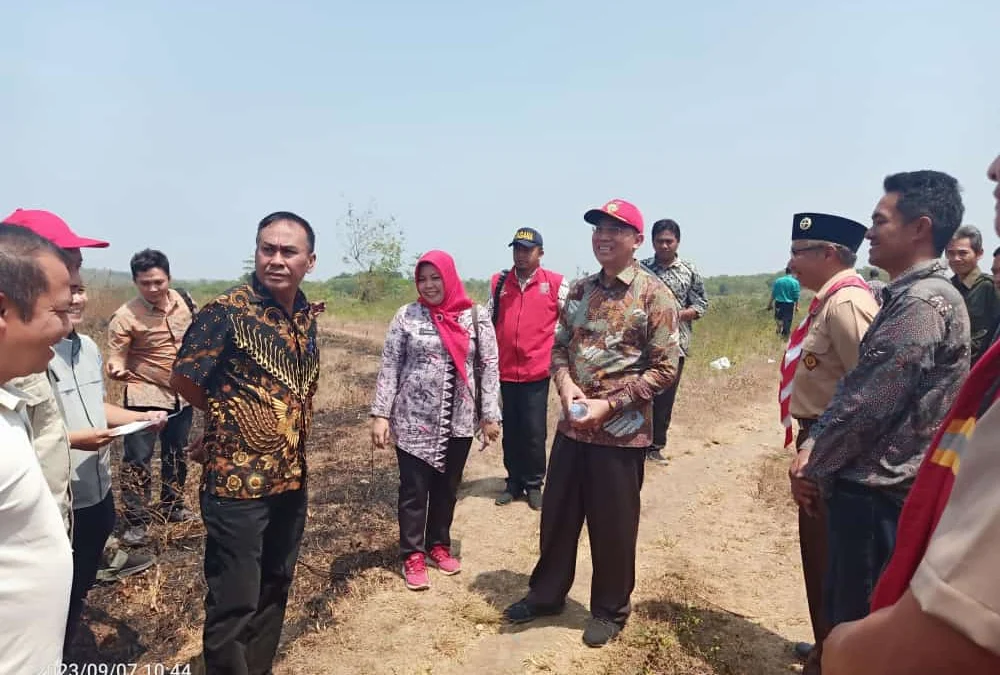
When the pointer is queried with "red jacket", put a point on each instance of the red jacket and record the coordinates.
(526, 325)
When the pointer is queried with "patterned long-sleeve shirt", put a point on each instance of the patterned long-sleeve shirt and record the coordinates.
(618, 341)
(418, 388)
(886, 411)
(689, 289)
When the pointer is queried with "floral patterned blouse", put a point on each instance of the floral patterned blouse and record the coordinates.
(419, 390)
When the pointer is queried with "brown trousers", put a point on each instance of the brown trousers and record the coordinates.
(601, 485)
(813, 547)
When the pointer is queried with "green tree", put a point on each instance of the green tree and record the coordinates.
(373, 246)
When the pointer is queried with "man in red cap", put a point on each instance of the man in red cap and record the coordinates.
(50, 438)
(72, 422)
(617, 345)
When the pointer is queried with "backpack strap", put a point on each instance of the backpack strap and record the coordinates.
(496, 295)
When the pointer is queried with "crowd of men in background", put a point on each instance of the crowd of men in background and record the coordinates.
(877, 379)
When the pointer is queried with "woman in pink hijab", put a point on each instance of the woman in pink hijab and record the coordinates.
(439, 383)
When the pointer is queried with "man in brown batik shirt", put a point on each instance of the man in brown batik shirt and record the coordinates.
(617, 346)
(251, 361)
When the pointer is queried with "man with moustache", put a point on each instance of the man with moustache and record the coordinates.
(820, 352)
(616, 347)
(251, 361)
(937, 606)
(864, 450)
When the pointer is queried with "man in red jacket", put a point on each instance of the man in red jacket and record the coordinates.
(525, 302)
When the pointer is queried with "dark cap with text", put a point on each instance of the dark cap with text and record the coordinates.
(824, 227)
(527, 237)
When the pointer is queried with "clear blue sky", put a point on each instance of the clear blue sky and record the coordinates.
(178, 125)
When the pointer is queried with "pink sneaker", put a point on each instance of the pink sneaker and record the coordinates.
(441, 558)
(415, 572)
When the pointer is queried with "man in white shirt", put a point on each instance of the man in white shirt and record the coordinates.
(36, 563)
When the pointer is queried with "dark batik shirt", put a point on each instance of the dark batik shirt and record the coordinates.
(886, 411)
(683, 279)
(259, 368)
(618, 342)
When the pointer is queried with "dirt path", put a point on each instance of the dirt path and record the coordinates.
(716, 530)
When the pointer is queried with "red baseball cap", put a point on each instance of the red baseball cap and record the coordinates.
(619, 209)
(53, 228)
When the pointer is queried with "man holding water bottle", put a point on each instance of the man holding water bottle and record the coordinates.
(616, 347)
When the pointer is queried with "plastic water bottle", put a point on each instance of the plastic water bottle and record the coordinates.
(578, 410)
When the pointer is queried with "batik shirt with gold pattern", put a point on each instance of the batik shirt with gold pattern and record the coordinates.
(259, 368)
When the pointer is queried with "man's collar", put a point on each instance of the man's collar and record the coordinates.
(970, 279)
(842, 274)
(924, 268)
(172, 299)
(11, 398)
(262, 295)
(626, 276)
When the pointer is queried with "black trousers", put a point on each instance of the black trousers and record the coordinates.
(92, 526)
(137, 471)
(815, 556)
(525, 430)
(663, 410)
(601, 485)
(427, 498)
(784, 312)
(251, 547)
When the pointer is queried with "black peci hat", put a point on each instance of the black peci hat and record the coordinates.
(824, 227)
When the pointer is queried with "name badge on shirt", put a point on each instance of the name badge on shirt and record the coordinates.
(427, 330)
(544, 287)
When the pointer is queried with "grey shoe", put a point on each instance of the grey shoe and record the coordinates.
(181, 514)
(505, 498)
(655, 456)
(535, 499)
(135, 536)
(600, 632)
(123, 565)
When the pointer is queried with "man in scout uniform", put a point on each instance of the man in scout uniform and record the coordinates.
(525, 306)
(821, 351)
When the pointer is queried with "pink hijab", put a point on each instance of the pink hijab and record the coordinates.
(445, 315)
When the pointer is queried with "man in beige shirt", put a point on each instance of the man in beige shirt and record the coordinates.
(823, 254)
(144, 336)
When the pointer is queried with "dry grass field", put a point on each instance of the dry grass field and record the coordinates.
(718, 592)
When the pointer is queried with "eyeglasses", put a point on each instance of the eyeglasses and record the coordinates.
(613, 230)
(799, 251)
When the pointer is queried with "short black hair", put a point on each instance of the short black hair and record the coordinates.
(933, 194)
(788, 270)
(148, 259)
(873, 273)
(669, 225)
(996, 252)
(278, 216)
(22, 280)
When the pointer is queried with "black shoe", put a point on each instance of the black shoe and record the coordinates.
(802, 649)
(523, 612)
(600, 632)
(505, 498)
(655, 456)
(535, 499)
